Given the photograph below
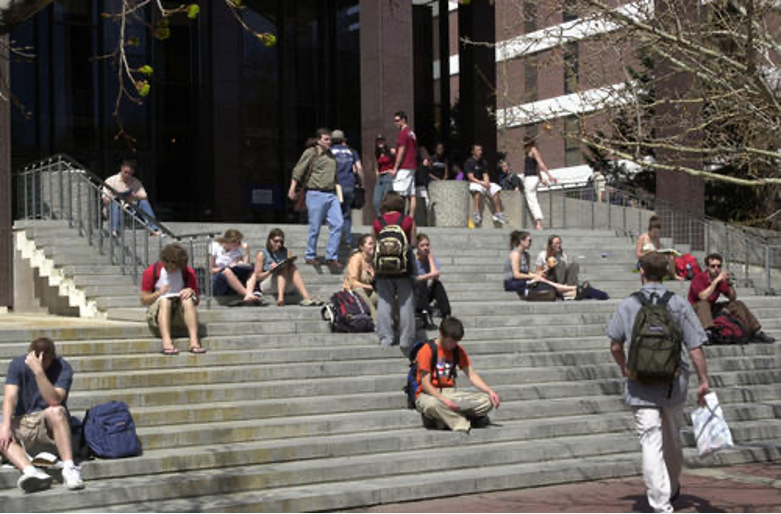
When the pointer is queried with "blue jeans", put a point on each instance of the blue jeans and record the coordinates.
(142, 205)
(383, 185)
(323, 207)
(347, 213)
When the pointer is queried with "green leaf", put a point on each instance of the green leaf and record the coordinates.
(162, 33)
(143, 87)
(133, 41)
(192, 11)
(146, 70)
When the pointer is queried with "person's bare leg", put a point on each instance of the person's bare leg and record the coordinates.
(57, 425)
(164, 322)
(476, 200)
(298, 281)
(497, 203)
(413, 204)
(251, 283)
(282, 279)
(17, 456)
(191, 322)
(538, 225)
(234, 282)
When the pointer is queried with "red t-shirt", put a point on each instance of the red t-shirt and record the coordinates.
(384, 163)
(407, 140)
(440, 378)
(394, 218)
(700, 283)
(152, 273)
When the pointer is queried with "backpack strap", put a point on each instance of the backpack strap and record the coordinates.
(665, 299)
(382, 221)
(432, 346)
(640, 297)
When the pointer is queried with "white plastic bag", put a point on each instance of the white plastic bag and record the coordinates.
(710, 429)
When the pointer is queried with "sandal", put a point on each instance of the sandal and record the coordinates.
(280, 303)
(308, 302)
(197, 349)
(170, 351)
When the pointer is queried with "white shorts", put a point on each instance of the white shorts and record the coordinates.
(478, 188)
(269, 285)
(421, 192)
(404, 182)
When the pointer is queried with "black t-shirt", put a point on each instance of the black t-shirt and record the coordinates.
(438, 167)
(421, 176)
(476, 168)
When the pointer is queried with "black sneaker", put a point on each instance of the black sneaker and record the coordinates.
(677, 494)
(761, 337)
(480, 422)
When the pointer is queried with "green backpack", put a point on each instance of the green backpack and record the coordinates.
(655, 351)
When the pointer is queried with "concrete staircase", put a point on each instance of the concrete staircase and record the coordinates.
(282, 415)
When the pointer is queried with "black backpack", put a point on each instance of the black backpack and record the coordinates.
(655, 351)
(348, 312)
(411, 388)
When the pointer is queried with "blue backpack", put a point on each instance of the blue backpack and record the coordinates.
(110, 432)
(412, 376)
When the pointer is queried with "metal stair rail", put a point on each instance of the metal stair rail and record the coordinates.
(60, 188)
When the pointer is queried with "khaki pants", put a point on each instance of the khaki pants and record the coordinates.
(566, 274)
(432, 408)
(371, 300)
(706, 312)
(31, 432)
(177, 313)
(658, 429)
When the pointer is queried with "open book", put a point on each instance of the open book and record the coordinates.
(671, 251)
(284, 263)
(44, 460)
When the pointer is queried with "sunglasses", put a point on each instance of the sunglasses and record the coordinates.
(277, 240)
(715, 266)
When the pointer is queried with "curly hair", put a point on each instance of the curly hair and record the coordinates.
(174, 255)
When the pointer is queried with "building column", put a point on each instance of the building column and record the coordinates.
(477, 76)
(6, 216)
(387, 81)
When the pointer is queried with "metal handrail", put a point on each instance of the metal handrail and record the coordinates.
(60, 188)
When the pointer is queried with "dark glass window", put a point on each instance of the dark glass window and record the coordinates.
(530, 67)
(529, 16)
(570, 64)
(572, 154)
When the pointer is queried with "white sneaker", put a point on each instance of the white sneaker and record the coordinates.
(499, 218)
(34, 480)
(477, 218)
(72, 478)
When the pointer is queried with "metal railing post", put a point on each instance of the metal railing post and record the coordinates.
(70, 195)
(672, 225)
(26, 206)
(624, 216)
(726, 247)
(524, 209)
(78, 206)
(550, 207)
(563, 209)
(768, 262)
(51, 191)
(593, 212)
(745, 256)
(707, 238)
(135, 254)
(609, 210)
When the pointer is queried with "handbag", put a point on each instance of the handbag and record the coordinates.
(710, 429)
(299, 203)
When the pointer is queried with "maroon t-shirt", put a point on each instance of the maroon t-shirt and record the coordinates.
(407, 140)
(700, 283)
(394, 218)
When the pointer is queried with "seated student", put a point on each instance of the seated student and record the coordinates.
(437, 397)
(480, 184)
(651, 242)
(230, 267)
(554, 264)
(360, 273)
(35, 415)
(707, 286)
(285, 280)
(130, 191)
(170, 289)
(428, 287)
(518, 276)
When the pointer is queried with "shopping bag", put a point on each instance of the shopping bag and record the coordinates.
(710, 429)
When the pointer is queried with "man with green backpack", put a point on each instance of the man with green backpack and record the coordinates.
(659, 326)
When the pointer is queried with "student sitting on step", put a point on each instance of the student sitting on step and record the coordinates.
(436, 397)
(230, 267)
(276, 270)
(35, 415)
(170, 288)
(555, 265)
(359, 277)
(519, 278)
(428, 287)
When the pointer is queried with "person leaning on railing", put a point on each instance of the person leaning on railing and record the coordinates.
(128, 190)
(170, 289)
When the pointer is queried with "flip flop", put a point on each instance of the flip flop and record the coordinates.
(170, 351)
(197, 349)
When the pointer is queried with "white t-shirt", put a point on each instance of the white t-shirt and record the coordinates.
(541, 258)
(175, 281)
(222, 258)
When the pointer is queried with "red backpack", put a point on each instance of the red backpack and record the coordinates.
(686, 266)
(727, 329)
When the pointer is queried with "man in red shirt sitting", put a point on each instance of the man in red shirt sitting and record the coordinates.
(706, 288)
(437, 398)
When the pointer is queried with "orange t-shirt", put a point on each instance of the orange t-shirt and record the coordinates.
(440, 378)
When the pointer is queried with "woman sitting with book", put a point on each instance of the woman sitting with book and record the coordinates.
(359, 277)
(275, 269)
(651, 242)
(230, 267)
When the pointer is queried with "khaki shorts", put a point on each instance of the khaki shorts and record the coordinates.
(31, 432)
(269, 285)
(177, 313)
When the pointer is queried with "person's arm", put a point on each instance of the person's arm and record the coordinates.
(479, 384)
(732, 295)
(245, 253)
(399, 158)
(698, 360)
(447, 170)
(262, 275)
(542, 168)
(433, 270)
(300, 170)
(640, 245)
(354, 273)
(428, 388)
(708, 291)
(10, 397)
(414, 239)
(515, 263)
(51, 395)
(139, 194)
(617, 350)
(213, 265)
(358, 169)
